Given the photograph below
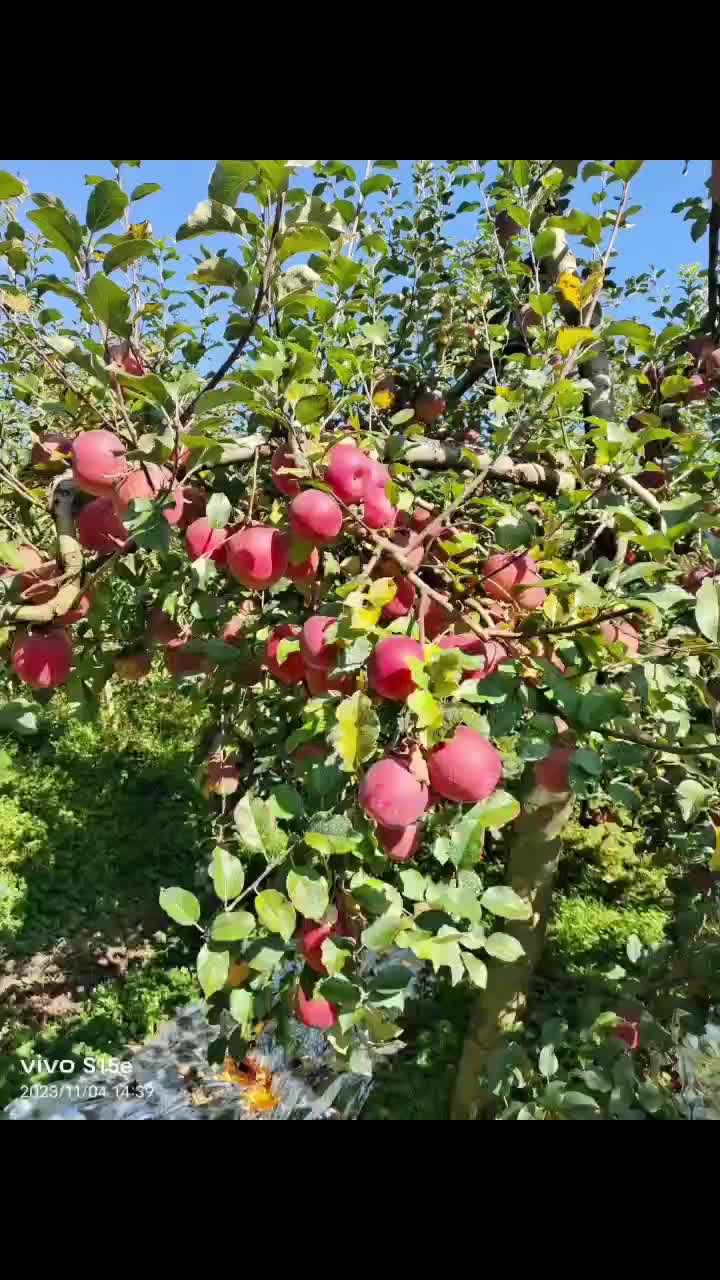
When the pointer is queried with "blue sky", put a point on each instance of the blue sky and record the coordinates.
(659, 237)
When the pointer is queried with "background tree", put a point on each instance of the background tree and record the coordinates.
(435, 542)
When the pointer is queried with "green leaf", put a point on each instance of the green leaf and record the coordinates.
(227, 874)
(107, 203)
(340, 991)
(504, 947)
(219, 511)
(466, 839)
(707, 609)
(503, 901)
(548, 1062)
(285, 802)
(233, 926)
(145, 189)
(111, 304)
(258, 829)
(676, 385)
(242, 1005)
(150, 386)
(229, 178)
(125, 252)
(541, 303)
(599, 706)
(310, 408)
(633, 948)
(497, 811)
(428, 711)
(381, 935)
(639, 334)
(309, 894)
(335, 957)
(10, 186)
(477, 969)
(222, 271)
(575, 1100)
(356, 731)
(213, 968)
(548, 243)
(303, 239)
(19, 717)
(414, 885)
(276, 913)
(626, 169)
(378, 182)
(210, 218)
(180, 906)
(61, 230)
(691, 798)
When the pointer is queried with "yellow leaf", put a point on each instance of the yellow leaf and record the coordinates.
(568, 339)
(551, 608)
(364, 619)
(356, 731)
(383, 591)
(569, 287)
(384, 400)
(16, 302)
(593, 284)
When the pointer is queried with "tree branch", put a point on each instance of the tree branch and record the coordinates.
(240, 346)
(70, 555)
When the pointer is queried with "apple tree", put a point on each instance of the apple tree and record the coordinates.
(391, 485)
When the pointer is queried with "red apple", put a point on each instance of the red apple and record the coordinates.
(315, 649)
(621, 633)
(553, 773)
(388, 671)
(292, 670)
(205, 543)
(513, 578)
(42, 659)
(317, 1013)
(399, 843)
(404, 600)
(467, 769)
(391, 795)
(430, 406)
(490, 650)
(98, 461)
(315, 517)
(349, 473)
(99, 527)
(257, 557)
(288, 486)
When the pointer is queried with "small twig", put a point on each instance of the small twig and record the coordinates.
(255, 885)
(58, 372)
(643, 740)
(248, 518)
(17, 534)
(589, 622)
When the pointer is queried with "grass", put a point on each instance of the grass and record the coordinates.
(96, 818)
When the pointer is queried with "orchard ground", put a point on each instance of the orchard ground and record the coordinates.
(94, 816)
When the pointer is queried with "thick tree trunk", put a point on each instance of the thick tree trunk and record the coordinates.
(501, 1008)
